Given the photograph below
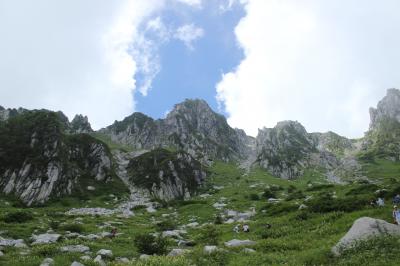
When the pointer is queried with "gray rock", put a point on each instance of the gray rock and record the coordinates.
(11, 242)
(210, 249)
(362, 229)
(75, 263)
(85, 258)
(47, 262)
(249, 250)
(122, 260)
(144, 257)
(105, 253)
(177, 252)
(75, 248)
(1, 253)
(99, 260)
(239, 243)
(45, 238)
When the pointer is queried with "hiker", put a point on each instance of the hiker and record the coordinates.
(396, 199)
(246, 228)
(113, 232)
(380, 202)
(236, 229)
(396, 215)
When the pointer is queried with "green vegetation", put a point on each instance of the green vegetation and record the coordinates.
(284, 234)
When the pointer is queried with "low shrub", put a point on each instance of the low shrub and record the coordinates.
(269, 193)
(279, 208)
(254, 196)
(150, 245)
(18, 217)
(327, 203)
(75, 228)
(209, 235)
(363, 189)
(166, 225)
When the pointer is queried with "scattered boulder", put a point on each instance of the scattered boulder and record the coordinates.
(105, 253)
(91, 188)
(122, 260)
(98, 260)
(210, 249)
(75, 248)
(239, 243)
(174, 233)
(47, 262)
(11, 242)
(303, 207)
(362, 229)
(218, 205)
(177, 252)
(1, 254)
(144, 257)
(249, 250)
(86, 258)
(75, 263)
(45, 238)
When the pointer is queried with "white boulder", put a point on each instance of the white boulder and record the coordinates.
(362, 229)
(75, 248)
(45, 238)
(105, 253)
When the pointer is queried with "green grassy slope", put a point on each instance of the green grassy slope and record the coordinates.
(295, 238)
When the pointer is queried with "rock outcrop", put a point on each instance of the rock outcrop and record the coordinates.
(166, 175)
(363, 229)
(80, 124)
(39, 161)
(383, 138)
(191, 126)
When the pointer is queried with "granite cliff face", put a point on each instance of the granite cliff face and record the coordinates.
(166, 175)
(38, 161)
(191, 126)
(44, 156)
(383, 138)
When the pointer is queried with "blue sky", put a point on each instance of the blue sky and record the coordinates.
(187, 73)
(258, 62)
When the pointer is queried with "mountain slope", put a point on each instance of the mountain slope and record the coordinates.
(38, 161)
(191, 126)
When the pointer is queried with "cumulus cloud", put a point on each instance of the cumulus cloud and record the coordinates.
(75, 56)
(188, 34)
(193, 3)
(323, 63)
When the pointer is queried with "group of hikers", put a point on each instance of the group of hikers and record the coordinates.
(380, 202)
(239, 227)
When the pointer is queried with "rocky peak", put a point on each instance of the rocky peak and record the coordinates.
(80, 124)
(388, 108)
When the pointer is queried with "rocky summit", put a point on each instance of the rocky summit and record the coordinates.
(191, 190)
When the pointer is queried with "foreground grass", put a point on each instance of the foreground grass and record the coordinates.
(296, 237)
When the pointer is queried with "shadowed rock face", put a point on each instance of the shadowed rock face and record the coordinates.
(38, 161)
(191, 126)
(166, 175)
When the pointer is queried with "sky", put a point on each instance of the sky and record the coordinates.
(322, 63)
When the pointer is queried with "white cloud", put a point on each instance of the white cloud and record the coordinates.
(75, 56)
(323, 63)
(188, 34)
(193, 3)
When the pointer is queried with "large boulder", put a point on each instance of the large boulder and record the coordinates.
(362, 229)
(45, 238)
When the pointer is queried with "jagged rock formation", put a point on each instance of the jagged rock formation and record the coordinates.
(38, 161)
(5, 114)
(383, 138)
(166, 175)
(80, 124)
(191, 126)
